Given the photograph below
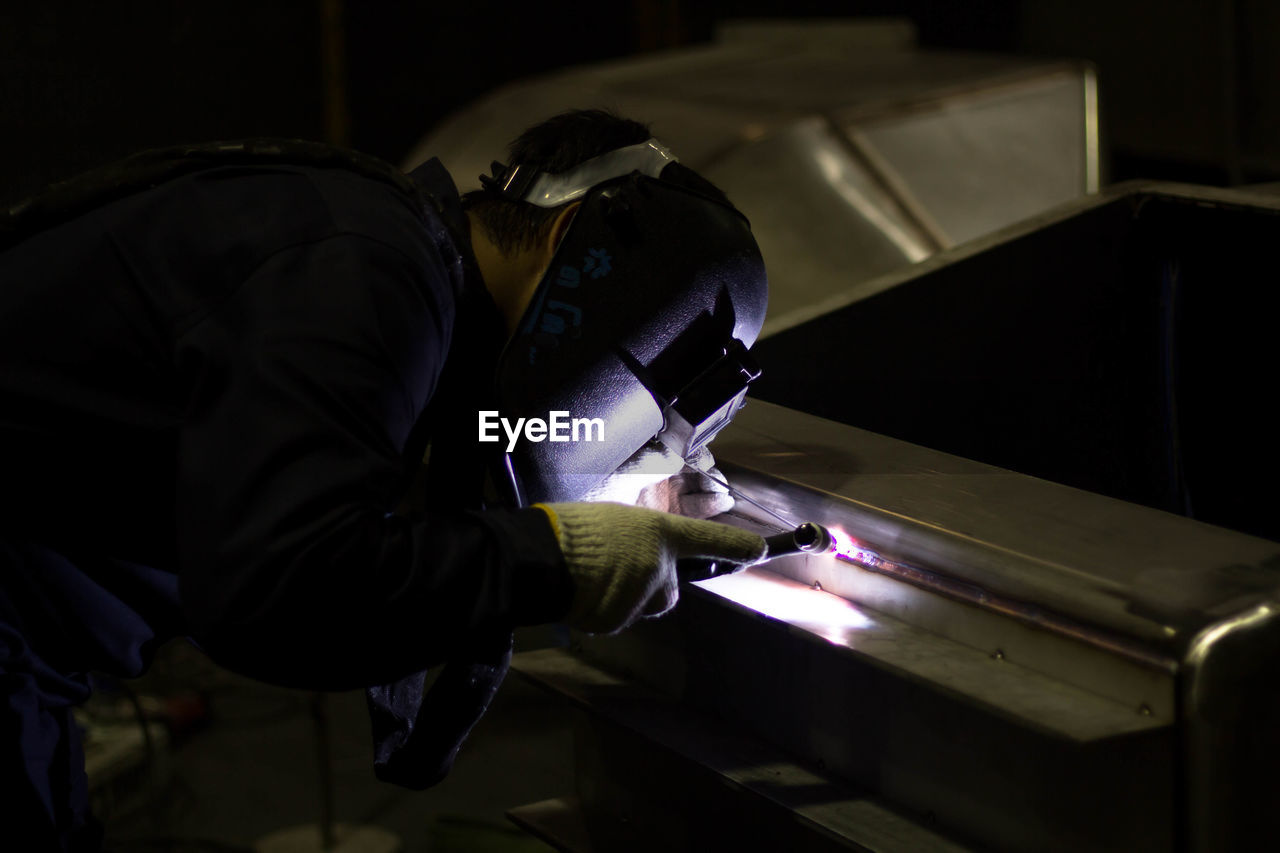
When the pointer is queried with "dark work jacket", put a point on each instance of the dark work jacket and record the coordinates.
(213, 394)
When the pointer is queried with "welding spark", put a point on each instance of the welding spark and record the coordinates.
(848, 549)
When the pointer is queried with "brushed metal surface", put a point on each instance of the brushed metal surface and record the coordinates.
(852, 154)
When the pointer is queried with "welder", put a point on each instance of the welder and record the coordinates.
(221, 369)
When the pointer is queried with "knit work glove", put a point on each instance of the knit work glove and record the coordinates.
(656, 478)
(693, 493)
(623, 558)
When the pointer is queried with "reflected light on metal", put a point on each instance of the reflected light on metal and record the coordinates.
(833, 169)
(1092, 175)
(788, 601)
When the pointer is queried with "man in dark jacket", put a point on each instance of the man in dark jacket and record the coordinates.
(215, 393)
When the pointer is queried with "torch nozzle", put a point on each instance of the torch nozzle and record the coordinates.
(808, 538)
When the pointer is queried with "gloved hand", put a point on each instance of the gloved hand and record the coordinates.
(691, 493)
(623, 558)
(656, 478)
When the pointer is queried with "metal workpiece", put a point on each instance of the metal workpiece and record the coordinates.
(1099, 593)
(982, 752)
(1119, 344)
(982, 678)
(984, 653)
(824, 221)
(1168, 622)
(651, 776)
(1231, 700)
(1052, 112)
(992, 534)
(854, 154)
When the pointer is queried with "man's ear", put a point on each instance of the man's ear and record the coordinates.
(559, 228)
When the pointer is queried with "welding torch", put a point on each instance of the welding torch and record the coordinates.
(808, 538)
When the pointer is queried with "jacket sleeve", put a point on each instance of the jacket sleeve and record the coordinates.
(302, 386)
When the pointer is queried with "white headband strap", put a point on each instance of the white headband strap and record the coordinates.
(552, 190)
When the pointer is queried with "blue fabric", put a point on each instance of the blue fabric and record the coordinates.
(43, 790)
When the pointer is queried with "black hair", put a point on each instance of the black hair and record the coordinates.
(556, 145)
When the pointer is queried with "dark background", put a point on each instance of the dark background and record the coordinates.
(1190, 88)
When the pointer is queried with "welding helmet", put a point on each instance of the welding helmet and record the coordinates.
(639, 328)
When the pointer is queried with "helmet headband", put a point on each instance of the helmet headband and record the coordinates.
(546, 189)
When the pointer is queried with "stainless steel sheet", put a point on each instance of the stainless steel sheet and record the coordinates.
(852, 153)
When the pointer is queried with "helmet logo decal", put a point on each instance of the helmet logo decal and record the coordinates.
(569, 276)
(597, 262)
(554, 316)
(554, 324)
